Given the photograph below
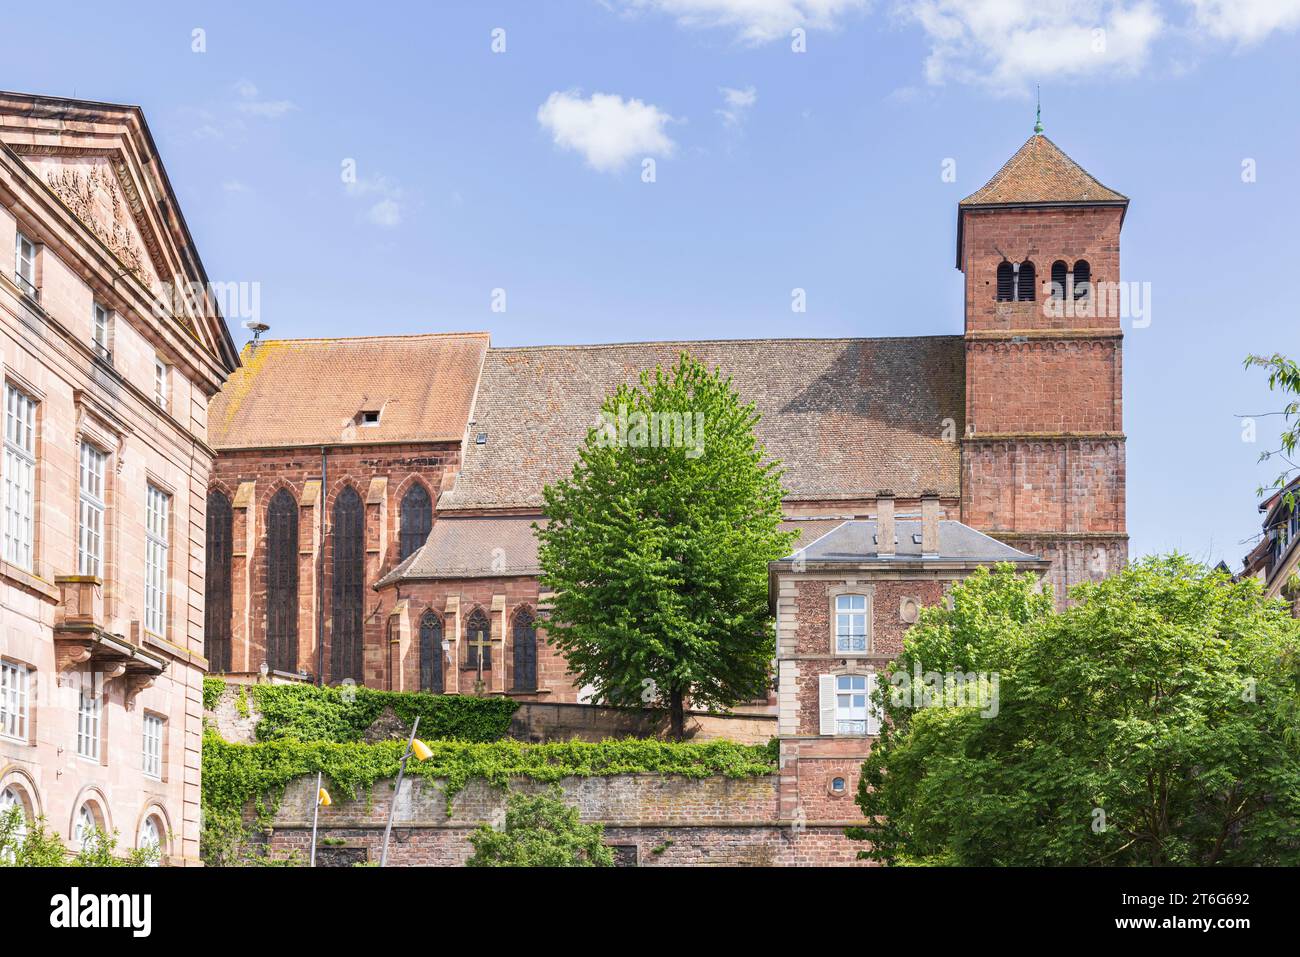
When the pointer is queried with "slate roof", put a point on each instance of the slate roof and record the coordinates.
(854, 542)
(483, 547)
(465, 547)
(846, 417)
(310, 391)
(1040, 172)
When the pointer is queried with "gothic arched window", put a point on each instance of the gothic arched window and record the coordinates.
(431, 653)
(1025, 278)
(1006, 282)
(216, 603)
(282, 582)
(1082, 279)
(525, 640)
(349, 575)
(417, 519)
(478, 635)
(1060, 277)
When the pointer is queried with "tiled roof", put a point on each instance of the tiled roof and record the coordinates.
(1041, 173)
(855, 542)
(846, 417)
(472, 548)
(311, 391)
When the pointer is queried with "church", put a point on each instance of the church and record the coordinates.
(369, 517)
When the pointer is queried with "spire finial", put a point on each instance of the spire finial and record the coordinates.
(1038, 115)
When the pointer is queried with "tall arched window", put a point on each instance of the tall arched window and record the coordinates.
(1060, 277)
(1006, 282)
(431, 653)
(282, 582)
(349, 581)
(216, 604)
(1025, 279)
(525, 639)
(478, 640)
(1082, 279)
(417, 519)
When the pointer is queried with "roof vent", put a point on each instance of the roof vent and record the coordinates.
(369, 416)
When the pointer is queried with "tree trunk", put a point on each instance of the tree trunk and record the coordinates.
(677, 700)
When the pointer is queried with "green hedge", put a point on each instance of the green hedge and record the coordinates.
(236, 774)
(301, 712)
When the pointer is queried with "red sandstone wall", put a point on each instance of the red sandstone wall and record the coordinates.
(399, 465)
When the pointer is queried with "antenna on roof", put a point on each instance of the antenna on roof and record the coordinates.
(1038, 115)
(256, 326)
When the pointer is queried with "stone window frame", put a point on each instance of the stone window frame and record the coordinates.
(850, 670)
(160, 739)
(867, 591)
(27, 718)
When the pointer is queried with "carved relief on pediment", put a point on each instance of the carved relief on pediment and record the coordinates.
(94, 197)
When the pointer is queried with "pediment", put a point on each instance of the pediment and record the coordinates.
(93, 188)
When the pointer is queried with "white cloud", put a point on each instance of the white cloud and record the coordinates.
(386, 213)
(1246, 21)
(251, 103)
(1008, 44)
(755, 21)
(234, 186)
(605, 128)
(387, 209)
(736, 104)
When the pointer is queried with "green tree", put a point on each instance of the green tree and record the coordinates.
(1284, 377)
(657, 547)
(540, 831)
(1146, 724)
(29, 844)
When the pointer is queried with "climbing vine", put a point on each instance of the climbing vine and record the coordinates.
(237, 777)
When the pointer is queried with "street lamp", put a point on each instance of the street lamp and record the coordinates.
(422, 753)
(322, 800)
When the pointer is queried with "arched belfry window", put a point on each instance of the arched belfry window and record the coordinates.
(1060, 278)
(525, 642)
(1025, 278)
(282, 582)
(431, 653)
(417, 519)
(349, 573)
(1082, 279)
(478, 640)
(216, 603)
(1006, 282)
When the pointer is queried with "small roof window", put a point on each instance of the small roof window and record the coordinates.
(370, 416)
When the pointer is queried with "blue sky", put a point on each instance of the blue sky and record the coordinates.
(521, 170)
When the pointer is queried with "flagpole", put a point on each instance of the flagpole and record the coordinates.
(392, 807)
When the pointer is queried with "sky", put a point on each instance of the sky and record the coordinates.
(387, 168)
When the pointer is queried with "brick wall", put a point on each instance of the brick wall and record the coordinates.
(658, 821)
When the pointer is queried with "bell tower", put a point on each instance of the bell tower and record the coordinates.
(1043, 449)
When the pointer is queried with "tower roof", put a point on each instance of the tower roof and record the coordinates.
(1041, 173)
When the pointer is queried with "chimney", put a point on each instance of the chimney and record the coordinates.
(885, 523)
(929, 524)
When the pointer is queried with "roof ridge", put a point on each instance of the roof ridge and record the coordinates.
(699, 342)
(1031, 162)
(400, 335)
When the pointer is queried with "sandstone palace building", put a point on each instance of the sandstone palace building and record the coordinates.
(371, 508)
(105, 475)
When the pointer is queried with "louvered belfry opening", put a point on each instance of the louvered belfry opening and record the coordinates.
(1006, 282)
(1060, 276)
(282, 583)
(1025, 282)
(417, 520)
(525, 652)
(347, 594)
(216, 602)
(431, 653)
(1082, 279)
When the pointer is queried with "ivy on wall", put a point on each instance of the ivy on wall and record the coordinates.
(236, 776)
